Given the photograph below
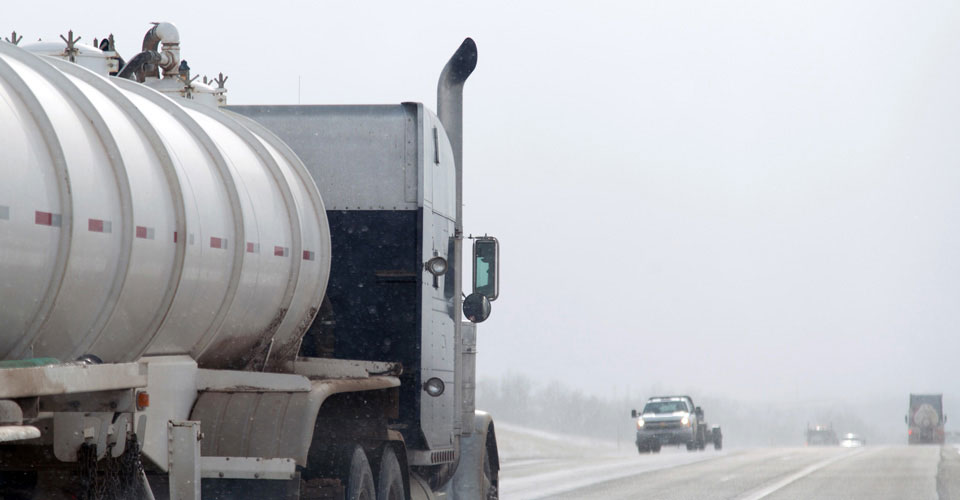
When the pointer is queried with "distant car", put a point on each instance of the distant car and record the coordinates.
(821, 436)
(850, 440)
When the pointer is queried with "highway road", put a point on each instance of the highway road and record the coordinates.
(872, 472)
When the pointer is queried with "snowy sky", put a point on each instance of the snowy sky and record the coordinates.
(748, 198)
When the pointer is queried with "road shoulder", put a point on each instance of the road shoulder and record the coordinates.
(948, 473)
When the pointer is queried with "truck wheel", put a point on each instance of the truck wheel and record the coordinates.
(691, 445)
(490, 478)
(389, 478)
(718, 443)
(642, 449)
(359, 480)
(656, 448)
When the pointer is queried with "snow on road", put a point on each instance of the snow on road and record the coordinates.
(536, 464)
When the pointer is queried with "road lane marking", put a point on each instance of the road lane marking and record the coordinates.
(727, 478)
(773, 488)
(548, 484)
(525, 462)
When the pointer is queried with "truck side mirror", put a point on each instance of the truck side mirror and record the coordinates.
(633, 413)
(476, 308)
(486, 268)
(699, 411)
(906, 419)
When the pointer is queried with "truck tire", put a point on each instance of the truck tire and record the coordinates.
(656, 448)
(389, 477)
(691, 445)
(642, 449)
(490, 479)
(718, 443)
(359, 478)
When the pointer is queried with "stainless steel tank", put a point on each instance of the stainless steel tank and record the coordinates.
(134, 224)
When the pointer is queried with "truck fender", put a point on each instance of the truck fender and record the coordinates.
(467, 481)
(275, 423)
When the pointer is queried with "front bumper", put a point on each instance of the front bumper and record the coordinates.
(682, 435)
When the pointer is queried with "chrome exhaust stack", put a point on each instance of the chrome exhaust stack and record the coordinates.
(450, 113)
(450, 110)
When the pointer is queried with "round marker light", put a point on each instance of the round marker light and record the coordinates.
(434, 387)
(436, 266)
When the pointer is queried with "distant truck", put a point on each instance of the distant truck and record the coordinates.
(925, 419)
(674, 420)
(821, 435)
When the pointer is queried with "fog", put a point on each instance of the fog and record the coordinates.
(752, 202)
(555, 407)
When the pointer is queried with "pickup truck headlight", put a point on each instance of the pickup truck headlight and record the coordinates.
(685, 420)
(639, 423)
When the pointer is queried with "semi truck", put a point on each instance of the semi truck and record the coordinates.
(204, 300)
(674, 420)
(925, 419)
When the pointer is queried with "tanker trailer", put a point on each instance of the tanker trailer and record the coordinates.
(245, 302)
(925, 419)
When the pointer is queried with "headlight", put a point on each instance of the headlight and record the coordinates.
(685, 420)
(639, 423)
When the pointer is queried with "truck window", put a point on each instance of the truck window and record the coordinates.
(660, 407)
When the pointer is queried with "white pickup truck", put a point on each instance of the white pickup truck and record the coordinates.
(674, 420)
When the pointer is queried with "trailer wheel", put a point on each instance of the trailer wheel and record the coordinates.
(691, 445)
(359, 480)
(656, 448)
(643, 449)
(389, 478)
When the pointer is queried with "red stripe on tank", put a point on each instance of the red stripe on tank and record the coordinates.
(43, 218)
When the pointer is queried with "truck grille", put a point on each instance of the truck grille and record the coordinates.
(656, 426)
(439, 457)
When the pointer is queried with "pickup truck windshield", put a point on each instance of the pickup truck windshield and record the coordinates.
(664, 407)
